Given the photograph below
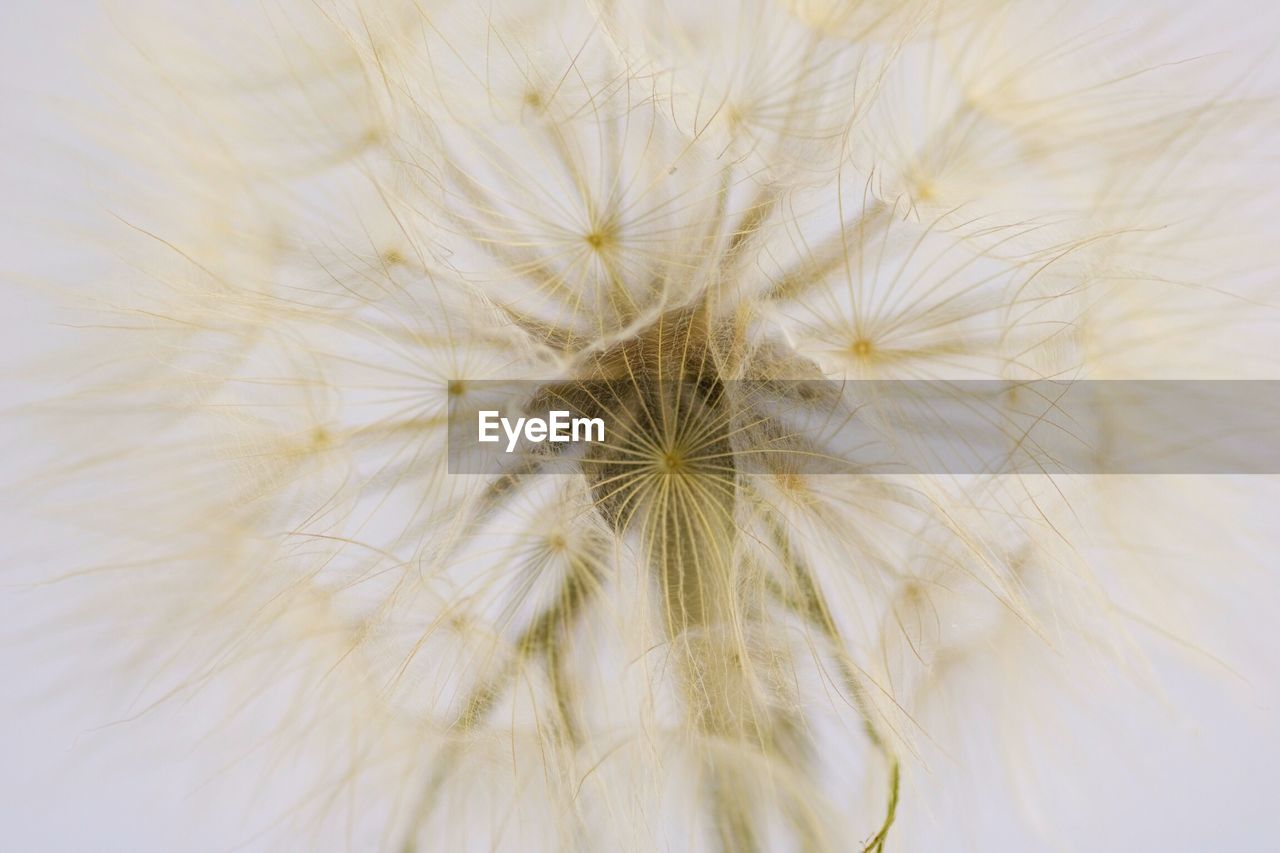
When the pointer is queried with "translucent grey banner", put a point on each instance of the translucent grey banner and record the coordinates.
(866, 427)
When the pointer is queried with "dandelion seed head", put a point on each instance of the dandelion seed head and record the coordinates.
(680, 218)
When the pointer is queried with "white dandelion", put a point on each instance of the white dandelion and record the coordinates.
(351, 218)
